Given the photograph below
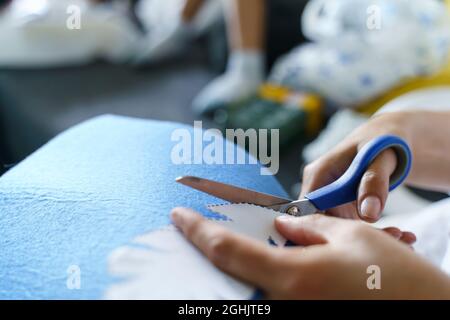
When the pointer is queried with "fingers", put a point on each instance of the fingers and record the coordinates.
(311, 230)
(408, 238)
(244, 258)
(327, 169)
(374, 186)
(404, 236)
(321, 229)
(394, 232)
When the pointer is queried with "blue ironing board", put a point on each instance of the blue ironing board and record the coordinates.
(91, 189)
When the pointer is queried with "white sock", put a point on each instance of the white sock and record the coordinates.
(244, 74)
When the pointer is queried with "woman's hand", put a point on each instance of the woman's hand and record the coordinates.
(374, 186)
(426, 132)
(333, 263)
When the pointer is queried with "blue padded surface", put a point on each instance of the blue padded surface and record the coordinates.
(92, 189)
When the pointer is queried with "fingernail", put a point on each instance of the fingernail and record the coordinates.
(370, 208)
(285, 218)
(177, 217)
(409, 237)
(397, 233)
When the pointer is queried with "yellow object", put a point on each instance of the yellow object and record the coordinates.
(273, 92)
(441, 78)
(311, 104)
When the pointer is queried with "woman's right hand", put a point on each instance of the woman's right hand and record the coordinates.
(374, 186)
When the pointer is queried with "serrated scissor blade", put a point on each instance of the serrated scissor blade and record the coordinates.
(232, 193)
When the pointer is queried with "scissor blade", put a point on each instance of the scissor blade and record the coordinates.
(231, 193)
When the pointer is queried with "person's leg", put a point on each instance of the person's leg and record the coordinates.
(246, 24)
(245, 71)
(190, 10)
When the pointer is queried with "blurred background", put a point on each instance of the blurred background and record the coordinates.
(313, 69)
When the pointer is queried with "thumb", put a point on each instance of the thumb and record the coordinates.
(374, 187)
(310, 230)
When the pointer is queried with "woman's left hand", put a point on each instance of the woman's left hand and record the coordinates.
(334, 262)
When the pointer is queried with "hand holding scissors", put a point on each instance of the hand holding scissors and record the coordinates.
(339, 192)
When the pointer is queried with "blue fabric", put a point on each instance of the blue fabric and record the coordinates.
(90, 190)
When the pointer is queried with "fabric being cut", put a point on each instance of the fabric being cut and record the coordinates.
(162, 264)
(91, 190)
(166, 266)
(250, 220)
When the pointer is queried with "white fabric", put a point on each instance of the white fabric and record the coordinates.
(164, 16)
(430, 99)
(163, 265)
(431, 226)
(362, 48)
(36, 33)
(166, 266)
(167, 34)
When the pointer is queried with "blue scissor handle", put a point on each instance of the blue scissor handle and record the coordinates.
(345, 189)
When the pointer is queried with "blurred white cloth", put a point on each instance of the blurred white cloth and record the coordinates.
(158, 267)
(362, 48)
(432, 228)
(40, 33)
(429, 99)
(166, 32)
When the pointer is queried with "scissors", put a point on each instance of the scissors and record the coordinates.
(341, 191)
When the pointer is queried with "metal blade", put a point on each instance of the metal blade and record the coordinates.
(231, 193)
